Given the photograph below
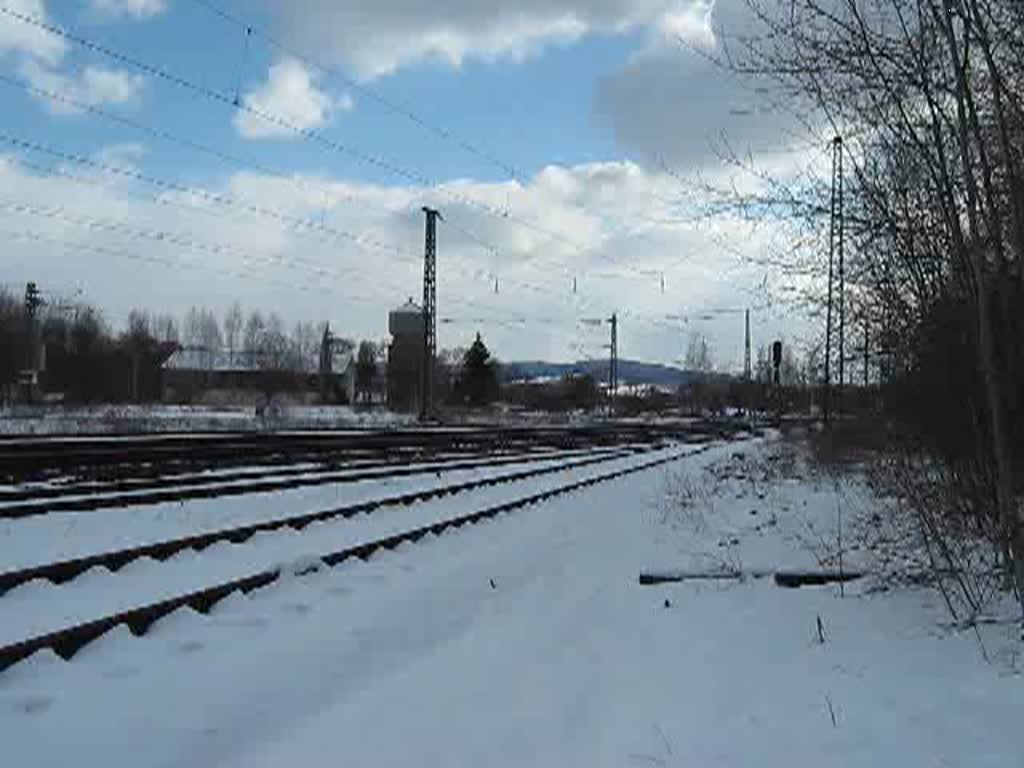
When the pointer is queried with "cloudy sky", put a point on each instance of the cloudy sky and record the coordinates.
(165, 153)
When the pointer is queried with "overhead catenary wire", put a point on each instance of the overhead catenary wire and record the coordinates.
(297, 223)
(301, 225)
(244, 163)
(310, 134)
(225, 157)
(189, 243)
(315, 136)
(162, 236)
(163, 184)
(441, 132)
(205, 266)
(173, 264)
(320, 269)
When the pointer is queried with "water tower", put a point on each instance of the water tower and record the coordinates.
(405, 356)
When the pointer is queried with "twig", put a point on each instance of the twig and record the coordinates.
(664, 740)
(981, 644)
(831, 710)
(839, 536)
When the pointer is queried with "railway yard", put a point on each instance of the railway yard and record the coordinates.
(443, 596)
(108, 531)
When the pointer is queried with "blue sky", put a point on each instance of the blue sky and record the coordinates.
(537, 112)
(578, 96)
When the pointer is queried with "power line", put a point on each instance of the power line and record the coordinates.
(279, 121)
(297, 223)
(301, 225)
(59, 213)
(443, 133)
(174, 264)
(163, 184)
(269, 117)
(168, 136)
(220, 155)
(182, 240)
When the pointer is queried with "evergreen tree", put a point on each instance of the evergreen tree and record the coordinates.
(478, 382)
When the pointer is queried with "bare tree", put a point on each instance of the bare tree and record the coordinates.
(165, 328)
(274, 349)
(252, 337)
(698, 355)
(927, 98)
(140, 324)
(192, 329)
(699, 364)
(306, 343)
(210, 338)
(233, 322)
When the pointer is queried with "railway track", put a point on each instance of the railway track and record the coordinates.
(69, 639)
(66, 570)
(126, 493)
(22, 459)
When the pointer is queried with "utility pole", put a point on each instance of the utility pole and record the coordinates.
(326, 362)
(613, 368)
(746, 350)
(32, 303)
(429, 313)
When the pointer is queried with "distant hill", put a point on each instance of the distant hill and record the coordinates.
(630, 372)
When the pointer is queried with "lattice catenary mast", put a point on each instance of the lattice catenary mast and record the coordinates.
(429, 313)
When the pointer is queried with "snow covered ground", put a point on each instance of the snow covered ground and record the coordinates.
(47, 538)
(527, 641)
(41, 607)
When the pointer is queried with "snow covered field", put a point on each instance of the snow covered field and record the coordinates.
(527, 641)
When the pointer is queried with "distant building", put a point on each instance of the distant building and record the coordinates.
(405, 357)
(196, 373)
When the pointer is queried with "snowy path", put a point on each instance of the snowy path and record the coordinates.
(65, 535)
(413, 659)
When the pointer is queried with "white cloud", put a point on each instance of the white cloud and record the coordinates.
(291, 93)
(94, 86)
(691, 25)
(675, 105)
(40, 55)
(19, 37)
(376, 38)
(140, 9)
(222, 254)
